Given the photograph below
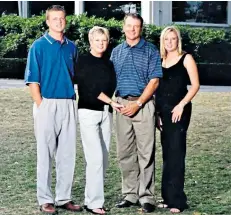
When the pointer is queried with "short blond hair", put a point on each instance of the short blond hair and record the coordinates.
(99, 30)
(55, 8)
(164, 32)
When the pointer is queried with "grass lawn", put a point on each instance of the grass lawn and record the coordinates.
(208, 163)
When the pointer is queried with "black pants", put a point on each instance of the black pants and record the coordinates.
(173, 140)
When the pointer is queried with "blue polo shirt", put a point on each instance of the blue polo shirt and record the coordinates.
(50, 63)
(135, 66)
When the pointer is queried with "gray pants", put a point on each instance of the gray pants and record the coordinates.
(55, 131)
(95, 129)
(136, 153)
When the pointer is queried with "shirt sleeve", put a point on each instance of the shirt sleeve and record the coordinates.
(155, 68)
(32, 72)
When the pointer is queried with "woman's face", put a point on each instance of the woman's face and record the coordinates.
(98, 43)
(171, 41)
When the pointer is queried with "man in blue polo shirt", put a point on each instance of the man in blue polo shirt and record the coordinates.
(49, 74)
(138, 69)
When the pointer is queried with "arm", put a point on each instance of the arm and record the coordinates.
(35, 93)
(32, 73)
(149, 90)
(132, 108)
(103, 97)
(154, 73)
(191, 67)
(76, 66)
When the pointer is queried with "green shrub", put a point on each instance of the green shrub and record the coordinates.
(12, 67)
(206, 44)
(13, 45)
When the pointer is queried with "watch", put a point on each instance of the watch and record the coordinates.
(139, 103)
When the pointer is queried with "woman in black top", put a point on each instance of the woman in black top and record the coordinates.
(96, 81)
(174, 110)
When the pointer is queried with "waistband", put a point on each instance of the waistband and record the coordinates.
(130, 98)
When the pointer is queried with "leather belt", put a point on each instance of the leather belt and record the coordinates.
(131, 98)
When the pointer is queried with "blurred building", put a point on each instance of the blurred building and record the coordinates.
(195, 13)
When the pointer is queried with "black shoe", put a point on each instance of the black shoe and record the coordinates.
(105, 209)
(148, 208)
(92, 210)
(125, 204)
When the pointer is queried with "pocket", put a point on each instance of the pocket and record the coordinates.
(36, 108)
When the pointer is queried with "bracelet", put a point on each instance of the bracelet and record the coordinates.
(110, 102)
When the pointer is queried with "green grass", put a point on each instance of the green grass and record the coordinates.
(208, 163)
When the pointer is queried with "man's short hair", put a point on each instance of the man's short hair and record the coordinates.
(55, 8)
(135, 16)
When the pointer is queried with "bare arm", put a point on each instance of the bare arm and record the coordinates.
(149, 90)
(35, 93)
(103, 97)
(190, 65)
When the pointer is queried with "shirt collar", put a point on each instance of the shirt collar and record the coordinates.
(51, 40)
(138, 45)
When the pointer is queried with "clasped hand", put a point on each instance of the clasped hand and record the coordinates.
(117, 106)
(130, 109)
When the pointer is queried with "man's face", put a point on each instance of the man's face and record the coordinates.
(56, 21)
(132, 28)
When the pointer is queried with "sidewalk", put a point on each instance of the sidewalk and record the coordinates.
(12, 83)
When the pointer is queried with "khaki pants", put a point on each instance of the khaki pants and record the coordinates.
(136, 152)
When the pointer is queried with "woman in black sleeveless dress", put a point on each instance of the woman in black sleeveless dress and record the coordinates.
(174, 111)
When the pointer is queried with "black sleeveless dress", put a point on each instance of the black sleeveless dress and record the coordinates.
(172, 89)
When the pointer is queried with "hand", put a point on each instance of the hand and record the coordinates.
(159, 123)
(117, 106)
(38, 103)
(177, 113)
(130, 109)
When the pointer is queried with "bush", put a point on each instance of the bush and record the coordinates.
(206, 44)
(214, 74)
(12, 68)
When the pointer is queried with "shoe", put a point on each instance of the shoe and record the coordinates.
(105, 209)
(94, 212)
(70, 206)
(162, 204)
(125, 204)
(148, 208)
(48, 208)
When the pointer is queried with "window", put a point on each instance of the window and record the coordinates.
(213, 12)
(8, 7)
(38, 7)
(110, 9)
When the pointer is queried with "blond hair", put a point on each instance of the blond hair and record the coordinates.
(99, 30)
(164, 32)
